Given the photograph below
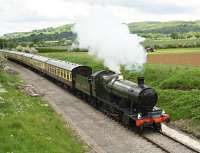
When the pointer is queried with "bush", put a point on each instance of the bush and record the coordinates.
(27, 49)
(2, 62)
(79, 50)
(19, 48)
(30, 50)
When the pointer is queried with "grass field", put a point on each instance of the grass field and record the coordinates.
(178, 87)
(53, 49)
(29, 125)
(176, 51)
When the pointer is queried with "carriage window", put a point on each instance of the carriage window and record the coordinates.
(84, 71)
(54, 70)
(67, 75)
(64, 74)
(61, 73)
(70, 76)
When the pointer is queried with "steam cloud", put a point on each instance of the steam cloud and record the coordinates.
(105, 36)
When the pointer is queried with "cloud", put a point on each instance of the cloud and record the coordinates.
(23, 15)
(156, 6)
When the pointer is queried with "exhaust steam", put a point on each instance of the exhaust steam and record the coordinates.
(104, 35)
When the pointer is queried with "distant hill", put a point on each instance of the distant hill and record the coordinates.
(65, 32)
(165, 27)
(46, 34)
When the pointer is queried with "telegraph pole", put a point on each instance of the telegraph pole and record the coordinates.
(3, 43)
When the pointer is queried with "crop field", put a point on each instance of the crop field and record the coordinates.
(177, 59)
(28, 124)
(176, 51)
(176, 56)
(178, 87)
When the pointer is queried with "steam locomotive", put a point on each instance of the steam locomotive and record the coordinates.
(134, 104)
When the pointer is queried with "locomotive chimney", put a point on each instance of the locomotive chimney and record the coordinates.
(141, 82)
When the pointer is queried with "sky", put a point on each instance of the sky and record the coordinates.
(26, 15)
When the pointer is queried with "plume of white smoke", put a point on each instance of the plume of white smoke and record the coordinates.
(105, 36)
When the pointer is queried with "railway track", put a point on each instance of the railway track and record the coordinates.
(164, 142)
(167, 143)
(161, 140)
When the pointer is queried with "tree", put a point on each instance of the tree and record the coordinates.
(197, 34)
(3, 43)
(174, 35)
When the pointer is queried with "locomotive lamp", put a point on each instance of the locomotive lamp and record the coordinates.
(139, 116)
(121, 77)
(140, 82)
(163, 112)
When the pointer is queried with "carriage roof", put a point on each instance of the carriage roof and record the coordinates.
(58, 63)
(40, 58)
(63, 64)
(28, 55)
(13, 52)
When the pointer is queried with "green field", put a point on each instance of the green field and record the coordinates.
(29, 125)
(178, 87)
(176, 51)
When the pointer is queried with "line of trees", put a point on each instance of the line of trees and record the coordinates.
(7, 43)
(189, 35)
(174, 35)
(175, 43)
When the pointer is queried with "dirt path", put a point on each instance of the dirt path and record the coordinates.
(96, 129)
(181, 59)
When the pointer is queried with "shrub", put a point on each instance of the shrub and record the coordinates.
(2, 62)
(19, 48)
(27, 49)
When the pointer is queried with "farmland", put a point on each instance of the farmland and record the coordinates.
(29, 124)
(181, 59)
(177, 56)
(178, 87)
(176, 51)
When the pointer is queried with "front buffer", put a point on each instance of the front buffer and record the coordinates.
(152, 119)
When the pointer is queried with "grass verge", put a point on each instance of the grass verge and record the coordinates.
(178, 87)
(28, 124)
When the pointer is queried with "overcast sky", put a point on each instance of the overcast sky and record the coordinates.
(26, 15)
